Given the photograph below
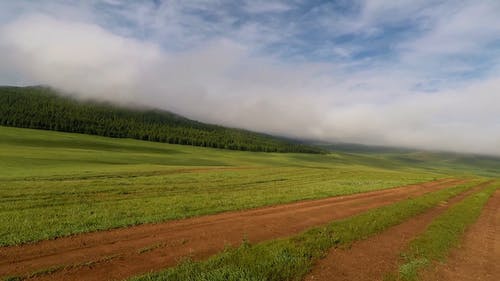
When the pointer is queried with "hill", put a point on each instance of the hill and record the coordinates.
(436, 161)
(44, 108)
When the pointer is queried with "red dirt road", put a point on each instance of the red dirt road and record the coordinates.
(477, 259)
(373, 258)
(121, 253)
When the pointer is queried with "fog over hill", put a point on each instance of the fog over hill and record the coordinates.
(420, 74)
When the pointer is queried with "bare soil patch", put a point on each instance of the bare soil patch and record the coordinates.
(125, 252)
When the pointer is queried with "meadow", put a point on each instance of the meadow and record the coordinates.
(55, 184)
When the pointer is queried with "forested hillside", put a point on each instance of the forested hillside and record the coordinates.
(44, 108)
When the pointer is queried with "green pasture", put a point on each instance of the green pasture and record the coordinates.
(55, 184)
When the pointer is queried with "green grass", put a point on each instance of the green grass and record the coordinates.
(443, 234)
(292, 258)
(56, 184)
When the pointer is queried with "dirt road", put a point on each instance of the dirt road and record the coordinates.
(125, 252)
(373, 258)
(479, 253)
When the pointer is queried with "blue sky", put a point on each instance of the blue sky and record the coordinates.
(349, 32)
(415, 73)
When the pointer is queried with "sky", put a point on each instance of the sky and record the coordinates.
(413, 73)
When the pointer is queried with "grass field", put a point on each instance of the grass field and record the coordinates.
(55, 184)
(292, 258)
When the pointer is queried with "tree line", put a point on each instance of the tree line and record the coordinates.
(44, 108)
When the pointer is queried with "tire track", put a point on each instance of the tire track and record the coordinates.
(478, 255)
(372, 258)
(121, 253)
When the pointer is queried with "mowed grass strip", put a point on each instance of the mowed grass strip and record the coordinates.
(33, 210)
(57, 184)
(443, 234)
(292, 258)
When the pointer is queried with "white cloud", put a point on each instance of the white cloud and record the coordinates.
(260, 6)
(223, 78)
(459, 31)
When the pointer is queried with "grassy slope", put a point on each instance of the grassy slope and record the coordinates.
(292, 258)
(54, 184)
(389, 157)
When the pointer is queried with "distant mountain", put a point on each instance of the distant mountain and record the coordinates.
(44, 108)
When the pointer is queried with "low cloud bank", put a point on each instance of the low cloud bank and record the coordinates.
(224, 82)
